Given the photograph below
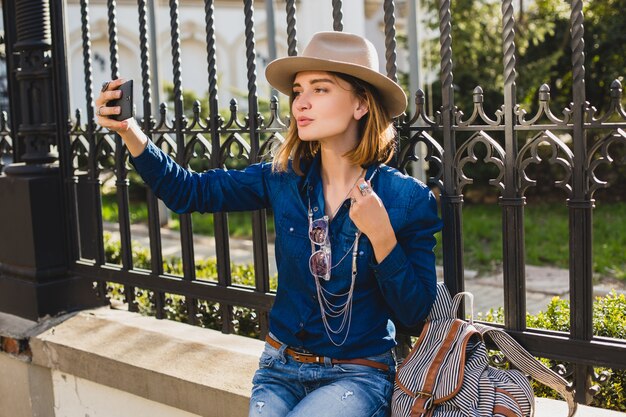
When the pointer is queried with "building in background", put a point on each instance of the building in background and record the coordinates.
(363, 17)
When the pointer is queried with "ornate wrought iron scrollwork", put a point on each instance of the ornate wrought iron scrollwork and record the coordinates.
(292, 40)
(470, 146)
(267, 150)
(196, 121)
(259, 121)
(226, 151)
(104, 152)
(6, 142)
(615, 107)
(163, 123)
(532, 146)
(165, 140)
(389, 19)
(197, 148)
(434, 155)
(337, 16)
(544, 108)
(498, 360)
(600, 380)
(564, 370)
(274, 122)
(234, 116)
(79, 145)
(479, 110)
(79, 153)
(603, 147)
(420, 110)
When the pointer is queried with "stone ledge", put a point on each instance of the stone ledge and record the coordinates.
(197, 370)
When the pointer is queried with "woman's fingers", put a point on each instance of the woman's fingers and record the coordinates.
(114, 125)
(103, 110)
(109, 91)
(112, 85)
(106, 96)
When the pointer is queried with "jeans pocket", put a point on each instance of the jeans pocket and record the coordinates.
(266, 360)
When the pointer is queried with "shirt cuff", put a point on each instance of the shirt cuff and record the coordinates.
(393, 262)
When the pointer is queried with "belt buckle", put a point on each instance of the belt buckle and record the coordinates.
(307, 357)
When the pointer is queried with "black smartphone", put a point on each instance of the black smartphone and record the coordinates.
(125, 102)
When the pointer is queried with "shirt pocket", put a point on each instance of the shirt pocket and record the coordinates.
(293, 235)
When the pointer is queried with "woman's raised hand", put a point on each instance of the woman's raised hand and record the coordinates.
(110, 92)
(130, 132)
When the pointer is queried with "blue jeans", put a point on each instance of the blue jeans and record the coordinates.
(285, 387)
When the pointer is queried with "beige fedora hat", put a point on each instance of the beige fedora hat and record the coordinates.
(341, 52)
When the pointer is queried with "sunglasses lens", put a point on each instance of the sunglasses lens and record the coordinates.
(319, 263)
(318, 231)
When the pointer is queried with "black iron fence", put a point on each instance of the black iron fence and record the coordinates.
(510, 140)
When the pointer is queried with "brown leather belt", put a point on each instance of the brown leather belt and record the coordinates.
(311, 358)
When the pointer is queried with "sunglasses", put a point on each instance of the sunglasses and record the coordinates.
(320, 260)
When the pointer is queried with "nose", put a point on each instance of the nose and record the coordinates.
(302, 102)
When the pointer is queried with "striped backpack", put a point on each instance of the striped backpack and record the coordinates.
(447, 372)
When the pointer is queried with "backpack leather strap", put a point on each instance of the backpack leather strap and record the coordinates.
(424, 398)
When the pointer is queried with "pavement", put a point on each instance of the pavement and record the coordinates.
(542, 283)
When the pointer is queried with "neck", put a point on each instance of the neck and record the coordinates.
(337, 170)
(335, 166)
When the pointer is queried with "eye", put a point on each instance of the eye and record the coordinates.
(320, 90)
(295, 93)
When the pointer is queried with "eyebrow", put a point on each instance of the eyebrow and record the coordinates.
(315, 81)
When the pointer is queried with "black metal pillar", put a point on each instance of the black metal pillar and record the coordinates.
(35, 242)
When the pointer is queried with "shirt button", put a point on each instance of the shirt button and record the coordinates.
(315, 209)
(310, 188)
(301, 324)
(291, 229)
(361, 253)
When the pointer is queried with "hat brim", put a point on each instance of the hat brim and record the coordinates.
(281, 72)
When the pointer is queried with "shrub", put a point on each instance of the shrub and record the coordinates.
(208, 314)
(609, 320)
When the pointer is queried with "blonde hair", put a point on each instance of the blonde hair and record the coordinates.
(375, 129)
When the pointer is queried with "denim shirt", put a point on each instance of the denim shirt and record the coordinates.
(401, 287)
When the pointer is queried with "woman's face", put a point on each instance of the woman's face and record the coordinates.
(324, 107)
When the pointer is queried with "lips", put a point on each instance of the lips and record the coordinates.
(303, 121)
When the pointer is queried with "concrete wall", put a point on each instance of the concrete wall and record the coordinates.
(112, 363)
(78, 397)
(25, 389)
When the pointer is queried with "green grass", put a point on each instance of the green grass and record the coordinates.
(239, 224)
(110, 211)
(546, 229)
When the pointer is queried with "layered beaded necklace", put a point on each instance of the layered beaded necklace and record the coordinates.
(321, 272)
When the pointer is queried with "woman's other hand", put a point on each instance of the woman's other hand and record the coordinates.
(370, 216)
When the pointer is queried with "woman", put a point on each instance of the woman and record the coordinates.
(354, 237)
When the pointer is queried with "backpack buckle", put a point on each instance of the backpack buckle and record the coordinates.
(428, 403)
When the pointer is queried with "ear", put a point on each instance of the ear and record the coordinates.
(361, 110)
